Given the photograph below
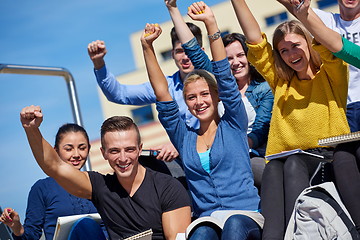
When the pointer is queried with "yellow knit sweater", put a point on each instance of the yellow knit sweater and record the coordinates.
(304, 110)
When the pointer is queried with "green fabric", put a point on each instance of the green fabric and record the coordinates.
(350, 53)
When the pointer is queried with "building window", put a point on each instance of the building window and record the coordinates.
(326, 3)
(143, 115)
(276, 19)
(166, 55)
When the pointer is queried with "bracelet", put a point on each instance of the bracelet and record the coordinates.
(215, 36)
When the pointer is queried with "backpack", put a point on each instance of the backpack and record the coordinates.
(320, 214)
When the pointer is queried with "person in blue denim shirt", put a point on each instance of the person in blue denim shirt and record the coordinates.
(215, 156)
(255, 91)
(142, 94)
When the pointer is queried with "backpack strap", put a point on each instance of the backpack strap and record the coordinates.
(325, 196)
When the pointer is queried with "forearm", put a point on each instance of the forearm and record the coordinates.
(182, 30)
(198, 57)
(155, 74)
(216, 46)
(247, 22)
(98, 63)
(287, 5)
(17, 229)
(43, 152)
(324, 35)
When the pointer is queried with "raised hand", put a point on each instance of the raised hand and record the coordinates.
(97, 51)
(199, 11)
(170, 3)
(31, 116)
(150, 34)
(301, 7)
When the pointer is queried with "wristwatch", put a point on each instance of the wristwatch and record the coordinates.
(215, 36)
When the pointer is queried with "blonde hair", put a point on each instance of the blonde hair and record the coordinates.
(293, 26)
(199, 74)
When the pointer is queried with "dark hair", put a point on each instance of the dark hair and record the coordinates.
(233, 37)
(69, 128)
(117, 124)
(193, 28)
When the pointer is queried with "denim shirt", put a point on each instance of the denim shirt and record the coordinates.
(261, 98)
(258, 93)
(230, 184)
(143, 94)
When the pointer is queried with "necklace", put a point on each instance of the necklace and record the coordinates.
(207, 145)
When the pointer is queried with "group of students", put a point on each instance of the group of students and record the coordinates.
(251, 95)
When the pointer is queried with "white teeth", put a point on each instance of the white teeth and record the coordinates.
(201, 109)
(295, 61)
(123, 166)
(237, 69)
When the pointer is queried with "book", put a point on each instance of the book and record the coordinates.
(146, 235)
(335, 140)
(290, 152)
(219, 218)
(64, 224)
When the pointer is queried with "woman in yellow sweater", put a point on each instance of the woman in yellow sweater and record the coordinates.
(310, 90)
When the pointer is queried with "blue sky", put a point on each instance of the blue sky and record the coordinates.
(56, 33)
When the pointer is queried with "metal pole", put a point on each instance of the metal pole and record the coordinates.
(52, 71)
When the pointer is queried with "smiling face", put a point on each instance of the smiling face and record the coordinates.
(294, 51)
(122, 150)
(349, 9)
(349, 4)
(73, 148)
(201, 100)
(182, 61)
(238, 61)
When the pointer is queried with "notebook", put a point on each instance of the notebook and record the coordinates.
(290, 152)
(333, 141)
(146, 235)
(64, 224)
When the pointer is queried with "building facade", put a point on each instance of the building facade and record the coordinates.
(269, 15)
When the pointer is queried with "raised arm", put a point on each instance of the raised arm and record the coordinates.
(247, 22)
(287, 4)
(324, 35)
(182, 30)
(97, 51)
(199, 11)
(71, 179)
(156, 76)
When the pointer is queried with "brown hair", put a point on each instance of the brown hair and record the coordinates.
(118, 124)
(293, 26)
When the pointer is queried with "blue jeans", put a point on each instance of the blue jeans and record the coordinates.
(236, 227)
(353, 116)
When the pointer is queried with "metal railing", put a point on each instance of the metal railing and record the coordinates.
(52, 71)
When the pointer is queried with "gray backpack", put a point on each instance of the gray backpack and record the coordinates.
(320, 214)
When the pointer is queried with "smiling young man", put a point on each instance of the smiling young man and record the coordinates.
(143, 94)
(131, 200)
